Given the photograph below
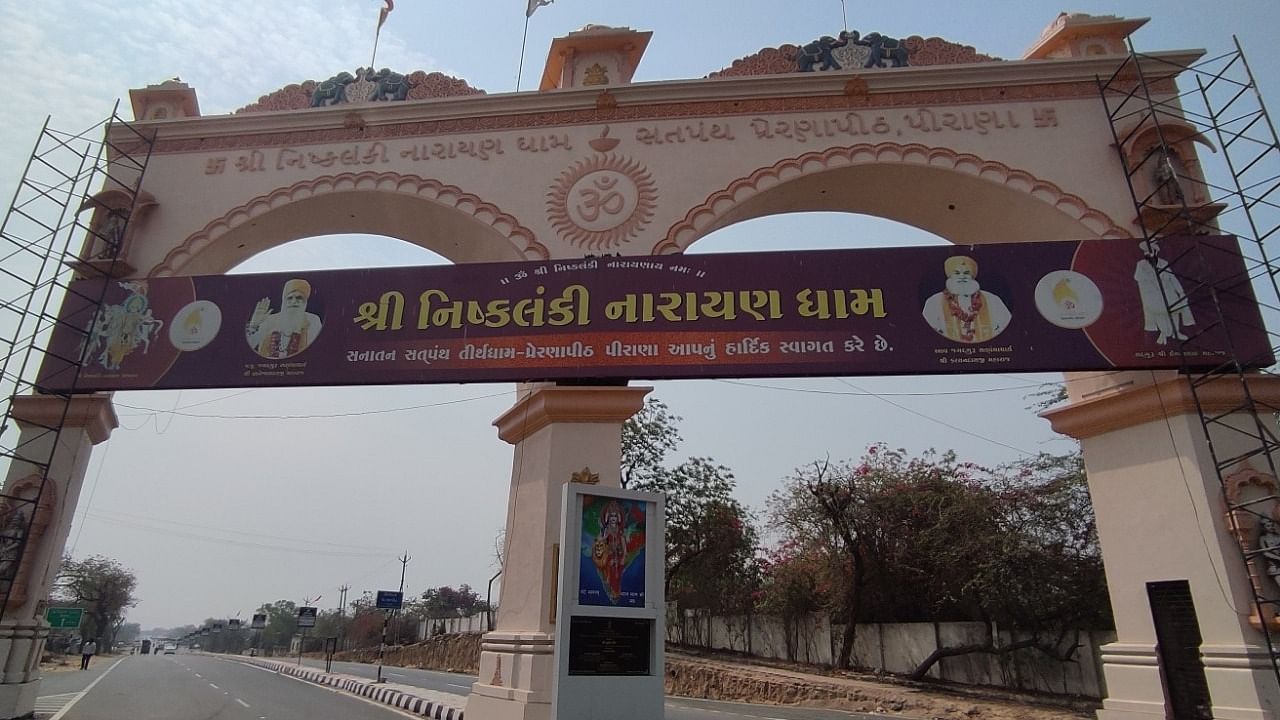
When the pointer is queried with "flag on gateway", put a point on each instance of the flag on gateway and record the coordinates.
(533, 5)
(384, 12)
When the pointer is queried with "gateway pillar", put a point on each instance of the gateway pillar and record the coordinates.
(1188, 643)
(561, 434)
(88, 420)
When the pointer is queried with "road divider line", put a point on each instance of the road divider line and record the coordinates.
(215, 687)
(242, 702)
(68, 706)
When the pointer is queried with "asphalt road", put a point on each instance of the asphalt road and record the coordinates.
(676, 708)
(204, 687)
(197, 687)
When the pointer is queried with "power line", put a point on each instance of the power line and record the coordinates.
(156, 411)
(107, 514)
(228, 541)
(940, 422)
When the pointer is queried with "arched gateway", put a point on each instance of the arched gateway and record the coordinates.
(976, 150)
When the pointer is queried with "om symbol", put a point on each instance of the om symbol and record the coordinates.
(601, 202)
(601, 197)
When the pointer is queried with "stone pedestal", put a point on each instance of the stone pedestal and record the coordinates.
(561, 434)
(88, 420)
(1162, 517)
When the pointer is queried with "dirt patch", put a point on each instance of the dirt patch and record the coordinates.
(724, 679)
(735, 678)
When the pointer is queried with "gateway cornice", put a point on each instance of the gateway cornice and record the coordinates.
(693, 98)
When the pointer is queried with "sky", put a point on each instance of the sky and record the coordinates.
(208, 496)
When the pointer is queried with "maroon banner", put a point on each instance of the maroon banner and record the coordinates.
(1077, 305)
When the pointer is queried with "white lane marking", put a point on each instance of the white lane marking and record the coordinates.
(464, 687)
(199, 676)
(215, 687)
(396, 674)
(84, 692)
(50, 704)
(242, 702)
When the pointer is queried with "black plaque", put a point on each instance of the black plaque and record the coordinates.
(609, 646)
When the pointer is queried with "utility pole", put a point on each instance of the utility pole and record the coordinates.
(342, 617)
(404, 565)
(302, 642)
(386, 618)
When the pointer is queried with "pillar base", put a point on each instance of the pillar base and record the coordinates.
(1240, 678)
(18, 700)
(516, 673)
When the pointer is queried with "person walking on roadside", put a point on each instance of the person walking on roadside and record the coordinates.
(87, 651)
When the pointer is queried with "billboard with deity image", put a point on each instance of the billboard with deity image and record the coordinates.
(1021, 307)
(611, 552)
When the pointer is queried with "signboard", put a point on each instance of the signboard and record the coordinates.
(259, 621)
(609, 607)
(390, 600)
(61, 618)
(609, 646)
(612, 552)
(1071, 305)
(306, 617)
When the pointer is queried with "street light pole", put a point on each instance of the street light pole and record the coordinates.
(386, 616)
(302, 641)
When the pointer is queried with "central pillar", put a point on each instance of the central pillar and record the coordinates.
(561, 434)
(85, 421)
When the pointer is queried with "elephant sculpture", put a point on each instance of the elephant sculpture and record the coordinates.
(883, 48)
(332, 91)
(818, 52)
(388, 85)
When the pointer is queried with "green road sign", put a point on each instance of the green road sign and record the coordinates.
(60, 617)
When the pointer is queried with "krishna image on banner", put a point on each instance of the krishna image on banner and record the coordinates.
(612, 557)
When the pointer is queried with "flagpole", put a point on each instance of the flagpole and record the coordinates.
(844, 15)
(374, 57)
(523, 41)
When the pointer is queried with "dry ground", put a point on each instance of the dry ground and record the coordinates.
(725, 678)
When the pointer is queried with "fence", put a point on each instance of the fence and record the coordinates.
(899, 648)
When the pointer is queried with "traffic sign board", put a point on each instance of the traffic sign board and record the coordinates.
(306, 617)
(390, 600)
(64, 617)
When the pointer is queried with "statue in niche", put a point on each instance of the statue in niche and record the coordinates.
(112, 233)
(1269, 547)
(13, 532)
(1168, 178)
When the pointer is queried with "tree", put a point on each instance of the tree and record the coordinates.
(711, 541)
(282, 623)
(104, 588)
(1043, 575)
(647, 437)
(897, 538)
(128, 632)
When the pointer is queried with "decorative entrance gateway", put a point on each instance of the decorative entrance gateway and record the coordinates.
(572, 190)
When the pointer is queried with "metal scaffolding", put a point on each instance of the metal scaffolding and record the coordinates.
(68, 220)
(1155, 123)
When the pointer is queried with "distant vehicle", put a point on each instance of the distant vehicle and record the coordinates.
(146, 647)
(170, 649)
